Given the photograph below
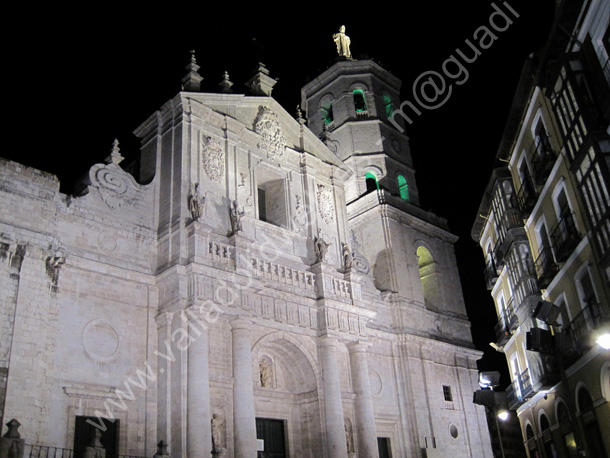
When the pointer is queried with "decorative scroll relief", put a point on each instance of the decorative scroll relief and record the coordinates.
(212, 158)
(112, 183)
(326, 204)
(272, 141)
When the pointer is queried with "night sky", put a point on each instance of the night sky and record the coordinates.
(75, 80)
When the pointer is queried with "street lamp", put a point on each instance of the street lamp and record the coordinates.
(494, 401)
(503, 415)
(603, 340)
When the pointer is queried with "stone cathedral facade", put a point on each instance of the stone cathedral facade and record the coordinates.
(255, 281)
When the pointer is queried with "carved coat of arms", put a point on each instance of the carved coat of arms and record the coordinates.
(272, 138)
(326, 204)
(213, 158)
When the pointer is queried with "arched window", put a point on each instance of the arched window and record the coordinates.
(371, 182)
(403, 187)
(327, 113)
(531, 441)
(565, 427)
(387, 103)
(529, 432)
(359, 101)
(545, 426)
(593, 435)
(429, 276)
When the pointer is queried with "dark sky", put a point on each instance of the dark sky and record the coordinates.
(77, 79)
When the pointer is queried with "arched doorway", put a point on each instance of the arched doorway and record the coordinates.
(286, 399)
(590, 426)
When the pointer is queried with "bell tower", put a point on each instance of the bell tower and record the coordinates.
(351, 107)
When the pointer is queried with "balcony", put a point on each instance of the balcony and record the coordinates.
(543, 160)
(519, 391)
(526, 198)
(490, 273)
(513, 319)
(591, 318)
(564, 236)
(546, 268)
(499, 253)
(503, 333)
(511, 229)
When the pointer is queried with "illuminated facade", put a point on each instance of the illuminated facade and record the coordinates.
(255, 276)
(544, 227)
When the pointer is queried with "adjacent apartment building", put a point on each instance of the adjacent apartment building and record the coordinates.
(544, 227)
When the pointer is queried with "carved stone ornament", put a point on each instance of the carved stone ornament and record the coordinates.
(116, 187)
(213, 158)
(359, 263)
(326, 204)
(272, 139)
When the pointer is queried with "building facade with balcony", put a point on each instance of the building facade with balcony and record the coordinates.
(550, 272)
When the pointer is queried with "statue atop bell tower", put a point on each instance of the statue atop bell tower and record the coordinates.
(343, 42)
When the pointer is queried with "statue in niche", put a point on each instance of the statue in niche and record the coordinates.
(196, 203)
(53, 263)
(236, 214)
(95, 449)
(348, 258)
(321, 247)
(266, 372)
(217, 425)
(342, 41)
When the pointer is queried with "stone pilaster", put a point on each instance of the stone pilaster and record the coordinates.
(199, 436)
(365, 416)
(164, 357)
(336, 445)
(244, 420)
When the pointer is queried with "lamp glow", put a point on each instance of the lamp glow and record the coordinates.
(503, 415)
(604, 341)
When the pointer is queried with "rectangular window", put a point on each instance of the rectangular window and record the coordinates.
(447, 393)
(262, 205)
(383, 444)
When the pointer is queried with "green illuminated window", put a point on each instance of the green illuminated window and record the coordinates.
(327, 113)
(359, 102)
(403, 187)
(387, 102)
(371, 182)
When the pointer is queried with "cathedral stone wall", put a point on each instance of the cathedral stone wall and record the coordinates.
(243, 279)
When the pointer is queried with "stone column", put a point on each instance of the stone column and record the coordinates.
(244, 421)
(199, 434)
(336, 444)
(365, 416)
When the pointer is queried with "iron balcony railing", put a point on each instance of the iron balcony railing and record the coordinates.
(490, 273)
(499, 253)
(546, 268)
(591, 318)
(43, 451)
(543, 160)
(513, 319)
(502, 330)
(510, 220)
(565, 236)
(526, 198)
(519, 390)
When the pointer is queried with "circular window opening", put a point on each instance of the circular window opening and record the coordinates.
(453, 430)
